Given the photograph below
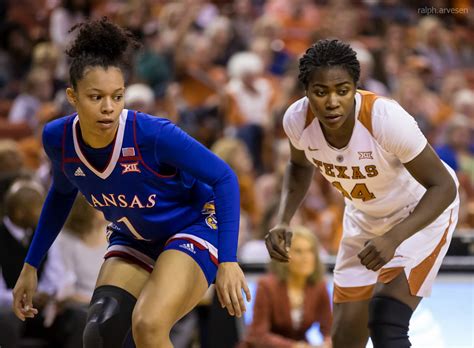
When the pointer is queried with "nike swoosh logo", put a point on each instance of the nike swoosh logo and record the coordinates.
(311, 149)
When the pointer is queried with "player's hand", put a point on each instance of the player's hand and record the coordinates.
(278, 242)
(377, 252)
(230, 281)
(23, 293)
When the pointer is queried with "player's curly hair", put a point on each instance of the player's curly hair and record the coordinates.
(99, 43)
(328, 53)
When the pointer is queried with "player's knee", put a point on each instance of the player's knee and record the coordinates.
(388, 322)
(151, 323)
(109, 317)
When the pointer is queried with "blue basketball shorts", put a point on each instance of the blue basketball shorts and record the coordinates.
(198, 241)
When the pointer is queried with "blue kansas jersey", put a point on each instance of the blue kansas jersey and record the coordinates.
(139, 198)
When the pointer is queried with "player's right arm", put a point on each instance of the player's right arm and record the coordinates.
(55, 210)
(298, 174)
(297, 178)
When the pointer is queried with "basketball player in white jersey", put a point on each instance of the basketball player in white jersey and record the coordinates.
(401, 199)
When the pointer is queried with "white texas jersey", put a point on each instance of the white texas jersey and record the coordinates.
(369, 172)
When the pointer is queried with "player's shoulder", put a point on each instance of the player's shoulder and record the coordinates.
(297, 110)
(378, 113)
(149, 125)
(53, 131)
(386, 107)
(147, 120)
(294, 119)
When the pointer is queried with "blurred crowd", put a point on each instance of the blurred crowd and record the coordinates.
(225, 71)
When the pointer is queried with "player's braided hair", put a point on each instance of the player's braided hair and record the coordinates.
(99, 43)
(328, 53)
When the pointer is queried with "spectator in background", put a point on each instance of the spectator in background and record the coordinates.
(251, 103)
(268, 27)
(140, 97)
(236, 155)
(46, 55)
(222, 34)
(38, 89)
(63, 18)
(201, 98)
(243, 17)
(290, 298)
(154, 63)
(62, 327)
(452, 83)
(463, 103)
(15, 55)
(11, 168)
(419, 101)
(458, 152)
(367, 81)
(394, 50)
(83, 246)
(434, 43)
(298, 20)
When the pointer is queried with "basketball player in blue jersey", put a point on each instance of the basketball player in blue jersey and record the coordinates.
(172, 204)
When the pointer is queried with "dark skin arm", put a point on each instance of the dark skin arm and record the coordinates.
(297, 179)
(441, 190)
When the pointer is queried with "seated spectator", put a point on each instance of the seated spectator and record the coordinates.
(61, 327)
(83, 245)
(291, 297)
(251, 103)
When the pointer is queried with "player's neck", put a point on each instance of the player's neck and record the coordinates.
(98, 141)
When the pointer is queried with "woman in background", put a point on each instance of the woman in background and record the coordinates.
(83, 248)
(291, 297)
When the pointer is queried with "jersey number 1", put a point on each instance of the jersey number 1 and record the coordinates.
(132, 229)
(360, 191)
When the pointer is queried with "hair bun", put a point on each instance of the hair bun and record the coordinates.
(99, 38)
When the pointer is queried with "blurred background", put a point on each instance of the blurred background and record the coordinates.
(225, 71)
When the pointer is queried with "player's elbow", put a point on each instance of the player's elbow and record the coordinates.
(450, 189)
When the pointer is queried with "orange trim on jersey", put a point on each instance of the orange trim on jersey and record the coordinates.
(386, 275)
(309, 117)
(353, 293)
(365, 112)
(419, 273)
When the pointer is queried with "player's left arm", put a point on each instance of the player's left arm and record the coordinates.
(174, 147)
(419, 158)
(441, 191)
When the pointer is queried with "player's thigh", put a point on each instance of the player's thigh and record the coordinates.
(349, 328)
(175, 286)
(351, 316)
(398, 289)
(123, 274)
